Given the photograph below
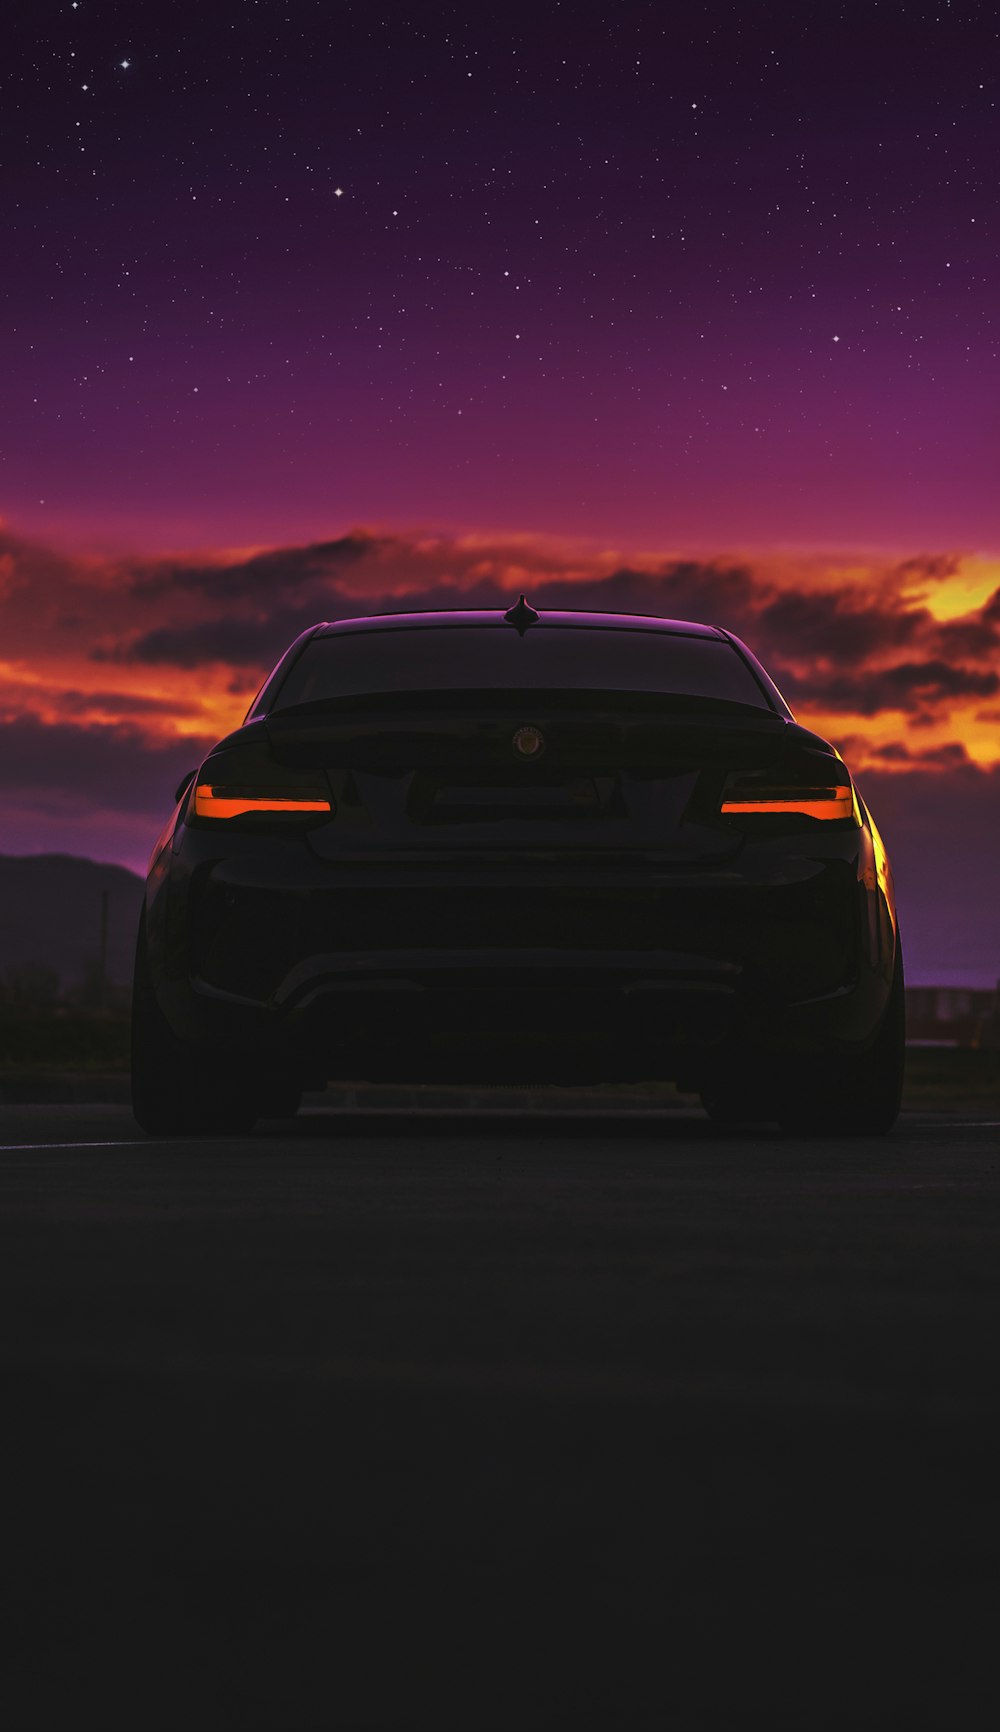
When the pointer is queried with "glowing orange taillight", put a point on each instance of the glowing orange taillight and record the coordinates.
(752, 800)
(212, 800)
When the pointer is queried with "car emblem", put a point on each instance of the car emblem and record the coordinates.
(529, 742)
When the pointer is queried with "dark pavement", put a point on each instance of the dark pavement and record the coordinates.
(522, 1422)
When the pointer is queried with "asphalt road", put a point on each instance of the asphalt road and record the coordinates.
(499, 1423)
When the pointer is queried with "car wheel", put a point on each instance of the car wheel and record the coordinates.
(860, 1097)
(176, 1089)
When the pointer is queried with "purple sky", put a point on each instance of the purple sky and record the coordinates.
(706, 276)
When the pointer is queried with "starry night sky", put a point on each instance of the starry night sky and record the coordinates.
(313, 309)
(703, 275)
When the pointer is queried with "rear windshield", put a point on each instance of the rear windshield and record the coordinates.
(463, 658)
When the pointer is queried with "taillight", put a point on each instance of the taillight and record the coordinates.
(761, 795)
(244, 783)
(230, 800)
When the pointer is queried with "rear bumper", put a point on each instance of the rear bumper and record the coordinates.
(520, 971)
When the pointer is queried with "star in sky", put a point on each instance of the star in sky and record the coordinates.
(619, 257)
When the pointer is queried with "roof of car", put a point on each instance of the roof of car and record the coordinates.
(488, 617)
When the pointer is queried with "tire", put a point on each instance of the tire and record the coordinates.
(178, 1090)
(861, 1096)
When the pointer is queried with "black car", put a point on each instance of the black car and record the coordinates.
(520, 847)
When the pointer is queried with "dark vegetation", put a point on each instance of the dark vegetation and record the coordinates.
(63, 1038)
(67, 938)
(958, 1076)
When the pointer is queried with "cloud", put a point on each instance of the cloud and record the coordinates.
(847, 651)
(52, 703)
(254, 644)
(61, 767)
(973, 639)
(260, 577)
(172, 646)
(907, 686)
(831, 627)
(934, 758)
(927, 568)
(679, 590)
(246, 611)
(122, 704)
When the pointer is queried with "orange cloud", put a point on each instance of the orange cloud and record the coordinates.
(901, 658)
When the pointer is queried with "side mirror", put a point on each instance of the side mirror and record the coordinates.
(183, 785)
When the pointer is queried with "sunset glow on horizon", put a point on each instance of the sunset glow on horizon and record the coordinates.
(175, 648)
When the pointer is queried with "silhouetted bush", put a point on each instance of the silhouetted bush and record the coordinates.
(63, 1040)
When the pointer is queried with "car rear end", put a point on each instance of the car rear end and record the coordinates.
(589, 850)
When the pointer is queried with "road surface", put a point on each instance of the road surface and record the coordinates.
(499, 1422)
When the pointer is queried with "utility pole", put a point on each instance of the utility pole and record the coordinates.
(102, 965)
